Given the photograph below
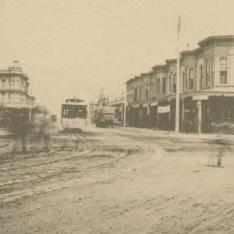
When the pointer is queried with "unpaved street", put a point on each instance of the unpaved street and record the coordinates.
(118, 181)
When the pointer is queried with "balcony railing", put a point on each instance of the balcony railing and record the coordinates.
(21, 89)
(15, 104)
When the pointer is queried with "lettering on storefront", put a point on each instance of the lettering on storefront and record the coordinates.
(163, 109)
(200, 97)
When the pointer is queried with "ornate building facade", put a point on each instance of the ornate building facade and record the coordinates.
(206, 90)
(14, 88)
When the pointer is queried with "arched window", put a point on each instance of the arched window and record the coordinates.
(184, 80)
(164, 85)
(191, 78)
(158, 86)
(174, 83)
(201, 76)
(147, 91)
(223, 62)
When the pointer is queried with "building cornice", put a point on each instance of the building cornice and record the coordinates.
(215, 38)
(159, 67)
(12, 73)
(170, 61)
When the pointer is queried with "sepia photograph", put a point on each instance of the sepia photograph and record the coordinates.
(117, 116)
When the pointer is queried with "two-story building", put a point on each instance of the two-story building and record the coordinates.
(14, 88)
(14, 92)
(206, 90)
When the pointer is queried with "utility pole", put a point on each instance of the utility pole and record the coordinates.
(177, 117)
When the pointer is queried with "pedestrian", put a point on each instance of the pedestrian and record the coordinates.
(19, 126)
(220, 146)
(41, 127)
(220, 150)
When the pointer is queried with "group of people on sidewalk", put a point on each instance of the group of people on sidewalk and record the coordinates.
(24, 127)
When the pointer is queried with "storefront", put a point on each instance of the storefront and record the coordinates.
(221, 114)
(133, 115)
(153, 114)
(164, 115)
(190, 123)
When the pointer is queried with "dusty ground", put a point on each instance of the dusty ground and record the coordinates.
(118, 181)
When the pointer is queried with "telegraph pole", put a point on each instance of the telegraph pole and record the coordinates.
(177, 117)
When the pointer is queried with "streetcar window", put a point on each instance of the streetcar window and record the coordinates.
(74, 111)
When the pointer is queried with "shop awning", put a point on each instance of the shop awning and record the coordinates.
(154, 104)
(135, 105)
(145, 104)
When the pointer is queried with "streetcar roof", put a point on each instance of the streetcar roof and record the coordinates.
(74, 104)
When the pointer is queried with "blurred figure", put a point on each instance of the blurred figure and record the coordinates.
(220, 150)
(221, 147)
(41, 127)
(19, 126)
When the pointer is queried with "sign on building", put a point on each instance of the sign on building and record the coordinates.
(163, 109)
(200, 97)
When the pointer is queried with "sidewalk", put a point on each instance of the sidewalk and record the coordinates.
(162, 133)
(4, 133)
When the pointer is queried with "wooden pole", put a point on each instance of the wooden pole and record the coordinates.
(177, 118)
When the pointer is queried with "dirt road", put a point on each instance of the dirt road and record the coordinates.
(118, 181)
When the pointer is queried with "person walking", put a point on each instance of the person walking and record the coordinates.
(41, 127)
(19, 126)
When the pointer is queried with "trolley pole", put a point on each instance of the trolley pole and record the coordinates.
(177, 117)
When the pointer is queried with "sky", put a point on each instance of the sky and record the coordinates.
(77, 47)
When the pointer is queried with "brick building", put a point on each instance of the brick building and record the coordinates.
(206, 90)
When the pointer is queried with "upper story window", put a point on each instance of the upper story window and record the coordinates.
(223, 62)
(191, 78)
(135, 94)
(158, 87)
(147, 89)
(184, 80)
(140, 93)
(3, 83)
(129, 96)
(152, 88)
(201, 76)
(164, 85)
(174, 83)
(209, 73)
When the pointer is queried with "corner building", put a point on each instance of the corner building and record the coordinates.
(206, 90)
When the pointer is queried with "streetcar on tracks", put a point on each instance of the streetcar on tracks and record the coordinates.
(74, 115)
